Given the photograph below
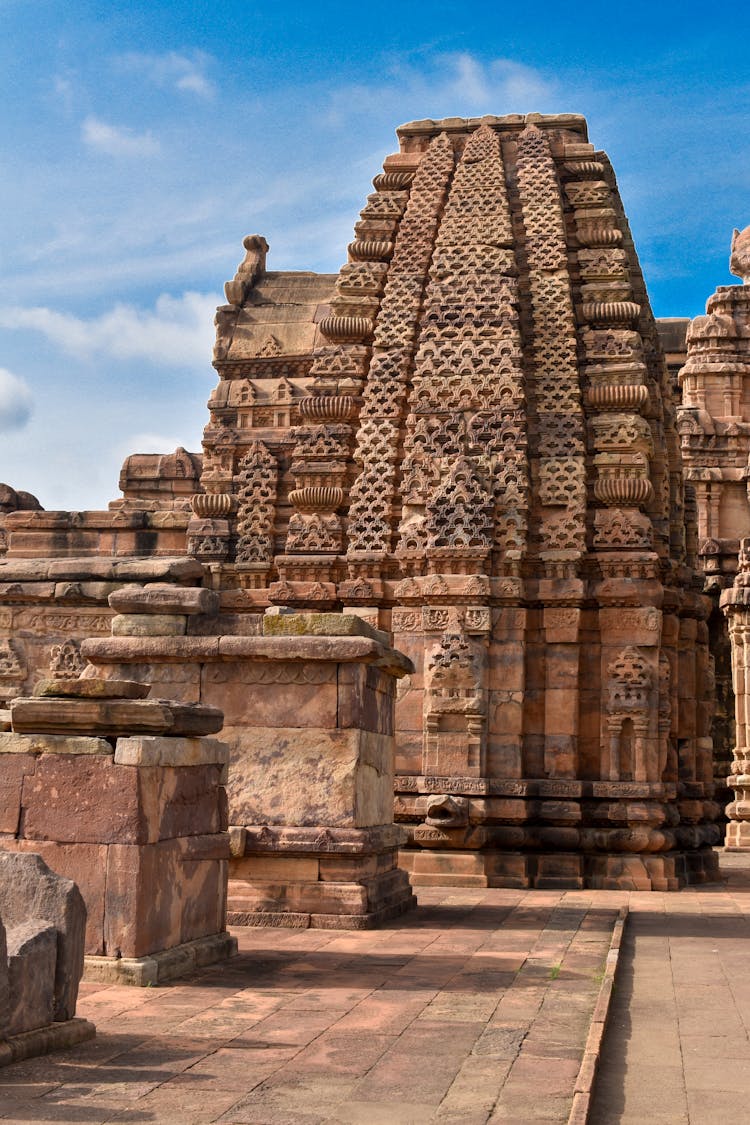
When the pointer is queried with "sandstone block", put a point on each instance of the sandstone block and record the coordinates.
(148, 625)
(13, 770)
(86, 800)
(291, 776)
(155, 899)
(92, 687)
(28, 889)
(114, 717)
(32, 957)
(151, 750)
(163, 598)
(11, 743)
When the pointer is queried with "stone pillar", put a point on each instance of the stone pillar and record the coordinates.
(735, 603)
(124, 795)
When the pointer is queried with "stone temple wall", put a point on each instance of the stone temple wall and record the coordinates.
(468, 438)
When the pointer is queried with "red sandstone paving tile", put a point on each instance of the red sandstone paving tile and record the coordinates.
(344, 1055)
(556, 1077)
(287, 1028)
(166, 1106)
(278, 1102)
(388, 1016)
(532, 1107)
(338, 1000)
(394, 1113)
(475, 1088)
(716, 1046)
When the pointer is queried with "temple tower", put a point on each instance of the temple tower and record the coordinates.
(468, 437)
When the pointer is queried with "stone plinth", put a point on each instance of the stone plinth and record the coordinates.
(129, 802)
(309, 716)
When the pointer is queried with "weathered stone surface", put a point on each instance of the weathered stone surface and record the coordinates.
(319, 625)
(4, 984)
(294, 776)
(28, 889)
(32, 959)
(115, 716)
(156, 900)
(13, 770)
(92, 687)
(148, 750)
(86, 866)
(94, 800)
(148, 625)
(12, 743)
(164, 598)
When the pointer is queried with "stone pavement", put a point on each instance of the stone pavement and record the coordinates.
(677, 1048)
(474, 1009)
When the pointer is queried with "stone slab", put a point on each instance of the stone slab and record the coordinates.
(32, 959)
(154, 750)
(12, 743)
(164, 598)
(29, 889)
(113, 716)
(278, 623)
(92, 687)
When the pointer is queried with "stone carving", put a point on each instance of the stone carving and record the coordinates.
(66, 660)
(455, 710)
(249, 269)
(11, 665)
(256, 483)
(739, 259)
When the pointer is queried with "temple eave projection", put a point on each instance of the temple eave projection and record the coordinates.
(468, 438)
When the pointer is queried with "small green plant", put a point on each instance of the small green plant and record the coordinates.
(554, 972)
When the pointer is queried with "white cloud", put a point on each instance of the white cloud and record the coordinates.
(16, 401)
(116, 140)
(148, 443)
(455, 83)
(177, 332)
(172, 69)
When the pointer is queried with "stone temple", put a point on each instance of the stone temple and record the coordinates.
(468, 438)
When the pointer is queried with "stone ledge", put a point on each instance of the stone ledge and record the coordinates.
(42, 1040)
(584, 1087)
(262, 839)
(297, 921)
(163, 966)
(123, 569)
(334, 650)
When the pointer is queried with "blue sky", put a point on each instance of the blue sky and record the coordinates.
(140, 143)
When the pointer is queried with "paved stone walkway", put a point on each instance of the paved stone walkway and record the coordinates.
(474, 1009)
(677, 1048)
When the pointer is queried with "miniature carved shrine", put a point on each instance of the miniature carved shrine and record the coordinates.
(468, 439)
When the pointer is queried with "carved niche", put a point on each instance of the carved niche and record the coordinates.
(455, 710)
